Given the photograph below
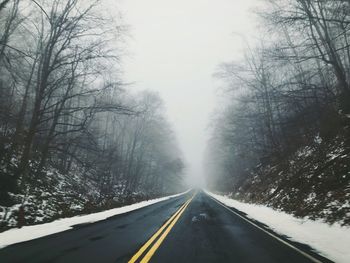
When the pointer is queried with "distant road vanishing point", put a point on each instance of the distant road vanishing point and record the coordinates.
(192, 227)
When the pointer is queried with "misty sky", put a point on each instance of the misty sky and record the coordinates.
(175, 47)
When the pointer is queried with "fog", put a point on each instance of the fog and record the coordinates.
(111, 109)
(174, 48)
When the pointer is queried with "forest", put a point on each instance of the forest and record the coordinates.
(282, 138)
(73, 138)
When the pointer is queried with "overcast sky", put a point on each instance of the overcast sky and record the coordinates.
(175, 47)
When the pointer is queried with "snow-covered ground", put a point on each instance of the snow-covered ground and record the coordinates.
(331, 241)
(26, 233)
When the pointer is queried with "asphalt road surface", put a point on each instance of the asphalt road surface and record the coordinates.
(189, 228)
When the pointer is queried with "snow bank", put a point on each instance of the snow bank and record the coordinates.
(26, 233)
(331, 241)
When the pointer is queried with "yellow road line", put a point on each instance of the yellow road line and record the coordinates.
(150, 241)
(163, 236)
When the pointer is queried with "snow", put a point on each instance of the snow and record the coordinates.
(305, 152)
(272, 190)
(27, 233)
(318, 139)
(310, 197)
(331, 241)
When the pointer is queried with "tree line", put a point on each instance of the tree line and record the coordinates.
(289, 90)
(64, 105)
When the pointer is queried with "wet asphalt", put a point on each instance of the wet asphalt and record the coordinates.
(205, 232)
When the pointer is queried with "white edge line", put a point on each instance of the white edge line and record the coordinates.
(32, 232)
(313, 259)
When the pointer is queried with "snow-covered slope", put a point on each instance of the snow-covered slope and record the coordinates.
(314, 181)
(332, 241)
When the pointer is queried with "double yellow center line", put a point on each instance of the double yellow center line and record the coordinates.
(162, 232)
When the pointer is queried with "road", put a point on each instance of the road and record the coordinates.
(189, 228)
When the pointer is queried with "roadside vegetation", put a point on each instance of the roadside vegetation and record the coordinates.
(73, 139)
(282, 138)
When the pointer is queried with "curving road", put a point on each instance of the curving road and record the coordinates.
(189, 228)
